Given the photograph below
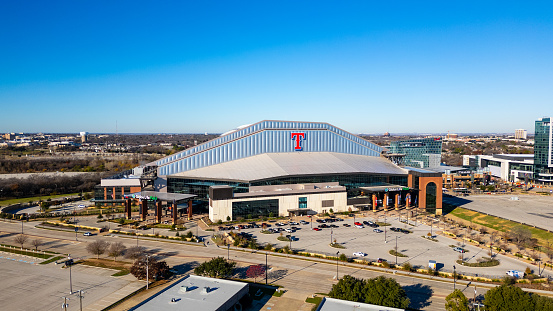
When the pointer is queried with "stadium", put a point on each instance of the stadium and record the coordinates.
(277, 168)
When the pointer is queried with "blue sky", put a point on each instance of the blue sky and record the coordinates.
(198, 66)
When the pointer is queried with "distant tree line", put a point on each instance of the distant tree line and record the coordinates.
(11, 165)
(38, 185)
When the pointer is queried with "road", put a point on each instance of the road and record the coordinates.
(300, 276)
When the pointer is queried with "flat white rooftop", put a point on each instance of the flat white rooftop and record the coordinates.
(191, 294)
(331, 304)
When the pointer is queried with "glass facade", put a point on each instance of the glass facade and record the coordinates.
(254, 209)
(200, 187)
(543, 155)
(302, 202)
(431, 197)
(418, 151)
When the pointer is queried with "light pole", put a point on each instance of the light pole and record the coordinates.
(454, 278)
(64, 305)
(147, 274)
(266, 268)
(396, 250)
(228, 251)
(136, 234)
(385, 238)
(70, 281)
(80, 298)
(338, 252)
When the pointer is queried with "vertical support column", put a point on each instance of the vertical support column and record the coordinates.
(143, 209)
(408, 200)
(397, 201)
(158, 211)
(174, 212)
(128, 208)
(385, 201)
(374, 203)
(189, 209)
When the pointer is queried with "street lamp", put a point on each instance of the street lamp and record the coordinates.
(338, 252)
(147, 274)
(69, 262)
(385, 238)
(266, 268)
(454, 277)
(228, 251)
(396, 250)
(81, 298)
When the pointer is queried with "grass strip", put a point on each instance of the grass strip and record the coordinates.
(52, 260)
(500, 224)
(26, 253)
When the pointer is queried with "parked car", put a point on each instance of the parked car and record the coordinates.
(458, 249)
(303, 222)
(515, 273)
(293, 223)
(359, 254)
(289, 230)
(316, 229)
(380, 260)
(359, 226)
(378, 230)
(346, 225)
(87, 234)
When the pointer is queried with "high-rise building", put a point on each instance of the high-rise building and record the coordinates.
(419, 152)
(543, 151)
(521, 134)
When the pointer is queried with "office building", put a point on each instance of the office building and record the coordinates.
(521, 134)
(543, 152)
(419, 152)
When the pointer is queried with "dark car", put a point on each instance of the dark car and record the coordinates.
(346, 225)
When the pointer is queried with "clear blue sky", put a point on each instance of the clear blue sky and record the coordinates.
(209, 66)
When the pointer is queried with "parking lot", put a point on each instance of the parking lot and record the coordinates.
(378, 244)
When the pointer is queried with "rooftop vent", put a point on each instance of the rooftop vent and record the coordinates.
(206, 290)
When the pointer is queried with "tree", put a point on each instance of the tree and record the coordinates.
(520, 235)
(116, 249)
(507, 298)
(386, 292)
(379, 291)
(135, 252)
(542, 303)
(97, 248)
(254, 271)
(156, 269)
(21, 240)
(216, 268)
(36, 243)
(456, 301)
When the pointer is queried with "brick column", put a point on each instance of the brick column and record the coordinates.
(408, 200)
(189, 209)
(158, 211)
(143, 209)
(385, 201)
(374, 203)
(397, 201)
(175, 216)
(128, 208)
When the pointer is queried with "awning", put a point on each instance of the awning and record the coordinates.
(162, 196)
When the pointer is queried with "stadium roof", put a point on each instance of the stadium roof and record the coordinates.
(271, 165)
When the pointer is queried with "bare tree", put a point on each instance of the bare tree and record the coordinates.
(97, 248)
(21, 240)
(36, 243)
(135, 252)
(116, 249)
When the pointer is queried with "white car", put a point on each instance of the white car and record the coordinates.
(378, 231)
(359, 254)
(288, 230)
(359, 226)
(81, 205)
(87, 234)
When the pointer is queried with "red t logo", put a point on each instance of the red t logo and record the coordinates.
(298, 137)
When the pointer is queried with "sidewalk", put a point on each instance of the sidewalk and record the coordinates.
(115, 296)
